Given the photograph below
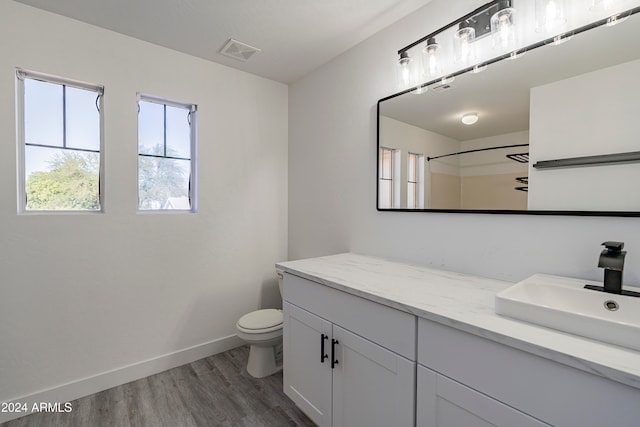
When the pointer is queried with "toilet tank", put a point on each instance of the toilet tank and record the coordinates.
(280, 277)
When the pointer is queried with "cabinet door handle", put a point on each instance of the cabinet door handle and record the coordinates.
(323, 355)
(334, 361)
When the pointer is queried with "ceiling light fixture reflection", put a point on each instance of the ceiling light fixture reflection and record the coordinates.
(469, 118)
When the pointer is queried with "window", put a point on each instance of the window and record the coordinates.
(60, 140)
(415, 181)
(166, 154)
(389, 179)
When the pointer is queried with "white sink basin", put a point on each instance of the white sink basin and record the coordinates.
(562, 303)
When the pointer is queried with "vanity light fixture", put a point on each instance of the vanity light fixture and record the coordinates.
(495, 18)
(469, 118)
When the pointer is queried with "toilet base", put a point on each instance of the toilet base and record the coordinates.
(262, 361)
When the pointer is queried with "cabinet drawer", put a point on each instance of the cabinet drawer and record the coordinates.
(555, 393)
(443, 402)
(386, 326)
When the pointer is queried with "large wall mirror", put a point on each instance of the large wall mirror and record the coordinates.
(557, 132)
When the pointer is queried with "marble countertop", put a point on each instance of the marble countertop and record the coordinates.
(466, 303)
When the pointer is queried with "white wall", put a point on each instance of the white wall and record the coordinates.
(83, 294)
(564, 126)
(332, 185)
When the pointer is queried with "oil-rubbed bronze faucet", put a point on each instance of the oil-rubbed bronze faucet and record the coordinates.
(612, 260)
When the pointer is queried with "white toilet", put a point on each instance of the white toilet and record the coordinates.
(262, 331)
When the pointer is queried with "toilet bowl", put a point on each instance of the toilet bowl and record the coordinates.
(262, 331)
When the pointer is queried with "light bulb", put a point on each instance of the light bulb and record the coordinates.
(464, 51)
(503, 29)
(432, 62)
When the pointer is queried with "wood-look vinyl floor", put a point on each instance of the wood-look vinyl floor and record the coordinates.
(215, 391)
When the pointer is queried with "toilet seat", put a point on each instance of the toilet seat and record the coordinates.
(260, 321)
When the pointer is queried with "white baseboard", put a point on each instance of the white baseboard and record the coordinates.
(103, 381)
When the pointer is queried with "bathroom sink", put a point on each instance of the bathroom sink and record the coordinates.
(562, 303)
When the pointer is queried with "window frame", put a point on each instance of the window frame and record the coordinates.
(192, 109)
(418, 185)
(21, 75)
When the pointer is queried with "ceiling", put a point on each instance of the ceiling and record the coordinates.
(294, 36)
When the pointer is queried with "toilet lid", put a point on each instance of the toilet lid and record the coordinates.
(261, 319)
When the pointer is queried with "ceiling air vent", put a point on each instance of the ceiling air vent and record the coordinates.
(238, 50)
(441, 87)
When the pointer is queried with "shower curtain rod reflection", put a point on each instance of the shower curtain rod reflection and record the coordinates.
(476, 150)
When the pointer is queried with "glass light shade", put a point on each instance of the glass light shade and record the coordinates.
(469, 118)
(464, 51)
(431, 58)
(550, 15)
(404, 71)
(503, 29)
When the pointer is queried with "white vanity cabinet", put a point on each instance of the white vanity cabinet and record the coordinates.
(347, 361)
(422, 347)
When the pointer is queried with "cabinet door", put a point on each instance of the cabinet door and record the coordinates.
(372, 386)
(442, 402)
(306, 375)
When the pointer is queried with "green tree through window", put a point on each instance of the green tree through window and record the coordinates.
(160, 179)
(71, 183)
